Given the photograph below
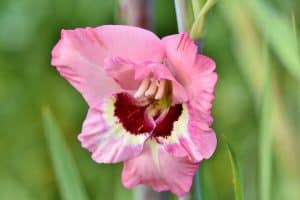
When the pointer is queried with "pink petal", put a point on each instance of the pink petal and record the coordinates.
(194, 72)
(80, 53)
(122, 71)
(131, 43)
(191, 136)
(104, 136)
(157, 168)
(181, 53)
(78, 58)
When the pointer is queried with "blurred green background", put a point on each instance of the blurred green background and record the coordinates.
(257, 105)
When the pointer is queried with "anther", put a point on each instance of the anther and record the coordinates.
(142, 88)
(152, 89)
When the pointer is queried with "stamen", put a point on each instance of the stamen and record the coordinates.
(143, 87)
(152, 89)
(161, 89)
(143, 101)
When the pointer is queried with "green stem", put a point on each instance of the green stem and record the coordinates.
(197, 183)
(181, 15)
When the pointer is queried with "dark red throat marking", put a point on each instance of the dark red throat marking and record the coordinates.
(131, 115)
(136, 121)
(164, 127)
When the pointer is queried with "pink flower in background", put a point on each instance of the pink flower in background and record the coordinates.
(149, 102)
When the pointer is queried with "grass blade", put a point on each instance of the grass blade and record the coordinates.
(12, 188)
(70, 185)
(236, 176)
(279, 34)
(265, 145)
(250, 54)
(295, 30)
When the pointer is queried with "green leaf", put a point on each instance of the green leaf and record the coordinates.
(198, 25)
(196, 7)
(279, 34)
(70, 185)
(236, 176)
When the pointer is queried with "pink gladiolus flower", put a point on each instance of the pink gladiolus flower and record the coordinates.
(149, 102)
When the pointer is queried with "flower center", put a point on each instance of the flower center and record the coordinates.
(139, 117)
